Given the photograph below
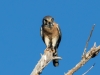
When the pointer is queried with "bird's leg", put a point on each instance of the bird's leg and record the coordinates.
(54, 43)
(53, 49)
(55, 52)
(47, 42)
(49, 46)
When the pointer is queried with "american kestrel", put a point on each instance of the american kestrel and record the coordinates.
(51, 35)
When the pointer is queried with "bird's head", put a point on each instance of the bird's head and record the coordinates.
(48, 21)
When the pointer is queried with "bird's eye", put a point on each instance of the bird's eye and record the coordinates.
(52, 19)
(45, 21)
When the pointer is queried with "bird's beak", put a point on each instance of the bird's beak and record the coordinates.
(50, 24)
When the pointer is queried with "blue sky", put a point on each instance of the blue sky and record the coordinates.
(21, 44)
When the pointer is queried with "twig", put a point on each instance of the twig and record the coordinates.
(89, 69)
(84, 52)
(89, 55)
(43, 62)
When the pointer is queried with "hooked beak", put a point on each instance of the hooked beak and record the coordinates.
(50, 24)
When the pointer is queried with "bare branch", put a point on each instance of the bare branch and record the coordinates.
(93, 51)
(44, 61)
(88, 69)
(88, 41)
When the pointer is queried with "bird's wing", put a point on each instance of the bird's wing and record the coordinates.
(60, 35)
(41, 32)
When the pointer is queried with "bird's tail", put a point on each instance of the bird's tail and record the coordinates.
(55, 61)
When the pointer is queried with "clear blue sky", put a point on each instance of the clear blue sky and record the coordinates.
(21, 44)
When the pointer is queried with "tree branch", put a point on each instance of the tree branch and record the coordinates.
(44, 61)
(88, 40)
(90, 54)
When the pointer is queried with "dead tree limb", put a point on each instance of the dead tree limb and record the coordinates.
(88, 40)
(90, 54)
(86, 55)
(44, 61)
(47, 57)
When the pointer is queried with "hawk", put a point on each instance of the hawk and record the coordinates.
(51, 35)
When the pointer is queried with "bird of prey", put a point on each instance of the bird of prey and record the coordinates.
(51, 35)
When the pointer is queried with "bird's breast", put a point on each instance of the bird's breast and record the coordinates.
(50, 32)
